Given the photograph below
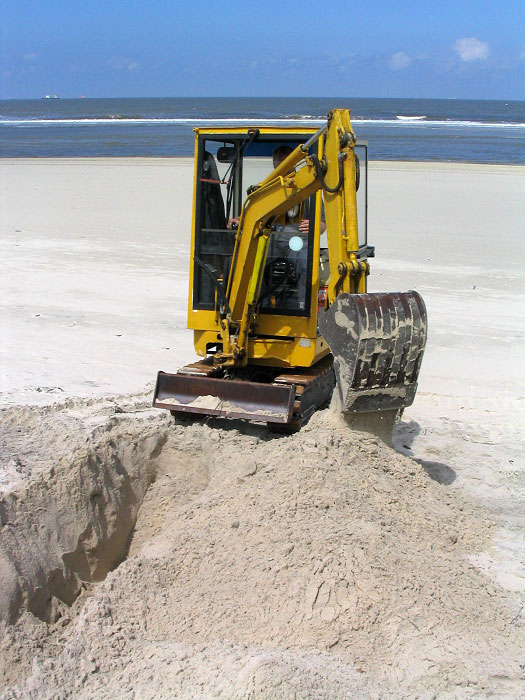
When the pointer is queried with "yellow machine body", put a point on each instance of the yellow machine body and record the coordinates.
(278, 312)
(282, 341)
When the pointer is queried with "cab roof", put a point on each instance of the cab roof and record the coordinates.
(243, 130)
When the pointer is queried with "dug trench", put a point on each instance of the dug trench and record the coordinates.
(144, 558)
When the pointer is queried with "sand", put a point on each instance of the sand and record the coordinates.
(208, 559)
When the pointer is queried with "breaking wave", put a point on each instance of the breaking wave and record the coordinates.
(399, 121)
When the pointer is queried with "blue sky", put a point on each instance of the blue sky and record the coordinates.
(453, 48)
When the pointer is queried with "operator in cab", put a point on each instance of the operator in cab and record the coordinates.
(287, 258)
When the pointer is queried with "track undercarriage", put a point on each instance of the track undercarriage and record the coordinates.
(283, 398)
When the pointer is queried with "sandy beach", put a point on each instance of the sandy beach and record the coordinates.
(139, 558)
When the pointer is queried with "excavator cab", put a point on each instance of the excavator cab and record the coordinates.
(227, 169)
(277, 294)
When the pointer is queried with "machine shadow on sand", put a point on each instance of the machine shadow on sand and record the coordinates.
(403, 437)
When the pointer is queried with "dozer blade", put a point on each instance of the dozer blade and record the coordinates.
(377, 341)
(230, 398)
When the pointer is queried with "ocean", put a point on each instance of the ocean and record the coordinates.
(474, 131)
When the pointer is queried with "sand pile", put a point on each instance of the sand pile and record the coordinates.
(318, 565)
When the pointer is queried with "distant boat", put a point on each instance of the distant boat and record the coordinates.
(51, 97)
(410, 119)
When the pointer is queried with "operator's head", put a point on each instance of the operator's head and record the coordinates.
(280, 153)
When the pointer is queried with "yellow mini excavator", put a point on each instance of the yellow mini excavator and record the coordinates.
(278, 271)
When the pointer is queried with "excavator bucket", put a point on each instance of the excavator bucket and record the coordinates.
(377, 341)
(186, 393)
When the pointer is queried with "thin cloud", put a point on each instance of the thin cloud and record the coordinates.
(30, 57)
(471, 49)
(123, 63)
(400, 60)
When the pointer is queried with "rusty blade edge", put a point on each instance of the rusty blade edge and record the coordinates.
(244, 400)
(264, 418)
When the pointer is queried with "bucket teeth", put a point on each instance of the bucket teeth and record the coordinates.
(377, 341)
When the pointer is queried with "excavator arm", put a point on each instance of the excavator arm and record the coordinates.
(294, 180)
